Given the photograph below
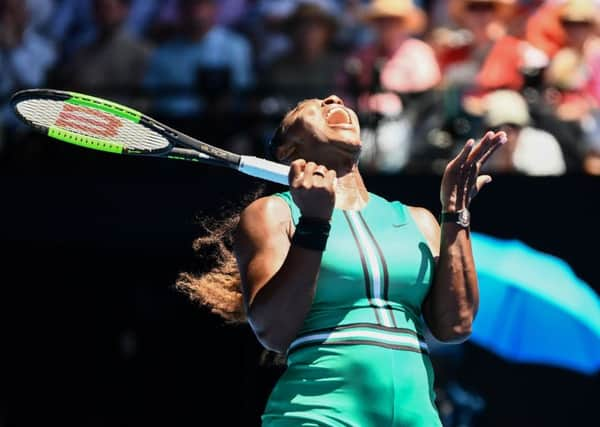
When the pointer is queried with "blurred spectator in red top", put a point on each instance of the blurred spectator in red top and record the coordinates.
(487, 53)
(309, 68)
(404, 63)
(381, 77)
(544, 30)
(573, 71)
(574, 77)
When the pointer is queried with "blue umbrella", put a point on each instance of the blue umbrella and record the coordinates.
(533, 308)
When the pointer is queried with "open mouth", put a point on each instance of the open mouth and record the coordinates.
(338, 116)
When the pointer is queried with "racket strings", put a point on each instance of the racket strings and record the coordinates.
(91, 122)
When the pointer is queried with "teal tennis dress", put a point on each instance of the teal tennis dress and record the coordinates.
(360, 358)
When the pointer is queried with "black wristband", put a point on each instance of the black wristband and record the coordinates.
(311, 233)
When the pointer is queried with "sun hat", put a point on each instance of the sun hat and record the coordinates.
(579, 11)
(505, 107)
(413, 18)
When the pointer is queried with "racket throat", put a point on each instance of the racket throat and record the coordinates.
(264, 169)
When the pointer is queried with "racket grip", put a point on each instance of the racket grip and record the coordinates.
(264, 169)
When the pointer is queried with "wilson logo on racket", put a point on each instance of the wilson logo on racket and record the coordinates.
(87, 120)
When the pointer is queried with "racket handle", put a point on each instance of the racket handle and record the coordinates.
(264, 169)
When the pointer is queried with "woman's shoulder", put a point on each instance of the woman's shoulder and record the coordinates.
(422, 215)
(383, 199)
(419, 214)
(272, 207)
(274, 204)
(264, 213)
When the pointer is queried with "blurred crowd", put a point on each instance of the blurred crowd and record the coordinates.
(424, 76)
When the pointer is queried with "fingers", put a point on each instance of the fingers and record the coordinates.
(309, 177)
(481, 181)
(308, 174)
(331, 178)
(320, 171)
(313, 189)
(463, 155)
(488, 144)
(500, 141)
(296, 171)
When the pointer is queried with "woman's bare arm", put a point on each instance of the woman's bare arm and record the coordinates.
(278, 279)
(452, 302)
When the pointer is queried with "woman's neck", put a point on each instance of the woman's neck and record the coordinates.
(351, 193)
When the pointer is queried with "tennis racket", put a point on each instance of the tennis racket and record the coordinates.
(103, 125)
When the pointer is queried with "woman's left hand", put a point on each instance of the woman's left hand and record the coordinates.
(461, 180)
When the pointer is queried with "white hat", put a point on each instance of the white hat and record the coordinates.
(414, 19)
(506, 107)
(580, 11)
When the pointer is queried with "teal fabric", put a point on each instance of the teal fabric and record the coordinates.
(360, 358)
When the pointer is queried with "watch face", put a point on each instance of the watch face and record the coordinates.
(464, 217)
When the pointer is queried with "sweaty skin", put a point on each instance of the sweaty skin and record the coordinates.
(279, 279)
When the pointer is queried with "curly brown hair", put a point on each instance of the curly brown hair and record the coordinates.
(219, 288)
(217, 283)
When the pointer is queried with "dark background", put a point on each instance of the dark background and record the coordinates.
(93, 332)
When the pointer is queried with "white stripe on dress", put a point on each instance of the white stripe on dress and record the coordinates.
(379, 336)
(372, 259)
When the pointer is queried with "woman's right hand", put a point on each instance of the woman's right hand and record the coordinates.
(313, 188)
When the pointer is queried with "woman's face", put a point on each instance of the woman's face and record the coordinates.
(311, 37)
(390, 31)
(477, 16)
(321, 130)
(578, 33)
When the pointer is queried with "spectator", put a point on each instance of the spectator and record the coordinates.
(573, 70)
(570, 80)
(267, 30)
(310, 68)
(113, 64)
(486, 25)
(204, 59)
(543, 29)
(25, 56)
(591, 159)
(156, 18)
(73, 22)
(231, 12)
(72, 25)
(528, 150)
(40, 14)
(383, 76)
(486, 53)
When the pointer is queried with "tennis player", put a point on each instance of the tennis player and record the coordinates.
(344, 282)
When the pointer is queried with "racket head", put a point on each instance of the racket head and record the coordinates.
(89, 122)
